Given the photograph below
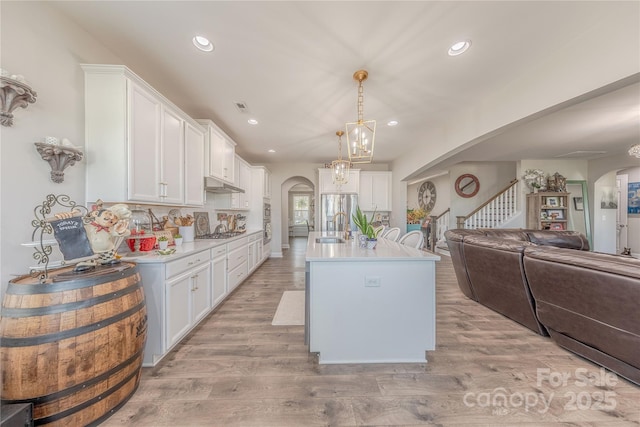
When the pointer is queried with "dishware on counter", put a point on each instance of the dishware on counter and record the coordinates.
(141, 242)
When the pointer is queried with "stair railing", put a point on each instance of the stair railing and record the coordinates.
(494, 212)
(439, 224)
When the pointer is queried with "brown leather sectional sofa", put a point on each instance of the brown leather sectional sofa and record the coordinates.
(549, 282)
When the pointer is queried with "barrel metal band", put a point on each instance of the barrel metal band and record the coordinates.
(68, 285)
(63, 414)
(61, 335)
(78, 387)
(14, 312)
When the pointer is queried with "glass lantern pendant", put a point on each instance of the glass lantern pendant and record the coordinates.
(361, 134)
(340, 168)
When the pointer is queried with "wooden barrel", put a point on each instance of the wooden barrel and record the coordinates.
(73, 346)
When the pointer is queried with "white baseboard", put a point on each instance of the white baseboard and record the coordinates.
(276, 255)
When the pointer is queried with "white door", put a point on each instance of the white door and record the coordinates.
(622, 186)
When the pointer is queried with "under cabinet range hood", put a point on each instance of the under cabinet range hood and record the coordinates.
(213, 185)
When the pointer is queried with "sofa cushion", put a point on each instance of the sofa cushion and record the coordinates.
(496, 274)
(590, 298)
(506, 233)
(558, 239)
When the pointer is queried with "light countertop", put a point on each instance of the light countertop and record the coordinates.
(385, 250)
(181, 251)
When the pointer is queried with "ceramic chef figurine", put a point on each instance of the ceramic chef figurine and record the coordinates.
(106, 228)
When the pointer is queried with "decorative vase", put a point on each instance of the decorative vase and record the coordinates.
(363, 240)
(187, 233)
(178, 241)
(163, 244)
(371, 243)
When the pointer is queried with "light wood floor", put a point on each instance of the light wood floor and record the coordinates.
(238, 370)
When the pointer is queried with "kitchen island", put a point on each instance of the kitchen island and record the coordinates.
(369, 305)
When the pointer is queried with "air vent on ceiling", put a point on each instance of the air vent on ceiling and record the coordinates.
(242, 106)
(581, 154)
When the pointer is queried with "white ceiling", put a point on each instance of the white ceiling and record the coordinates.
(292, 64)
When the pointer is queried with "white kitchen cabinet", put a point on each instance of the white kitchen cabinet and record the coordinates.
(220, 152)
(178, 296)
(194, 170)
(135, 139)
(144, 147)
(218, 274)
(375, 191)
(172, 157)
(243, 181)
(262, 184)
(188, 301)
(237, 266)
(326, 185)
(255, 252)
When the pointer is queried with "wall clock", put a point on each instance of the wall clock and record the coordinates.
(427, 196)
(467, 185)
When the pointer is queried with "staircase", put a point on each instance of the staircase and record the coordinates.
(494, 212)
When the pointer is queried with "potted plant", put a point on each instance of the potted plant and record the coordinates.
(178, 239)
(163, 242)
(364, 225)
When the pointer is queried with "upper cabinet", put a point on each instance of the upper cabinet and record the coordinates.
(375, 191)
(243, 181)
(135, 141)
(327, 186)
(261, 183)
(221, 152)
(194, 152)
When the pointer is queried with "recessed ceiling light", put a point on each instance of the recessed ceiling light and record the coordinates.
(392, 123)
(252, 121)
(272, 150)
(459, 48)
(202, 43)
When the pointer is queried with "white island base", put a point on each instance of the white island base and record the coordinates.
(370, 306)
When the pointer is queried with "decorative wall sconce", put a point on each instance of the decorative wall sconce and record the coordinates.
(14, 93)
(58, 155)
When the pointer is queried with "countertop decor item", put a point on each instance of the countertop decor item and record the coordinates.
(366, 228)
(59, 154)
(15, 93)
(202, 226)
(361, 134)
(66, 226)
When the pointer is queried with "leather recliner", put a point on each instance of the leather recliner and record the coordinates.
(589, 304)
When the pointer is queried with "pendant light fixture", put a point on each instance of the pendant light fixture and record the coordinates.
(340, 168)
(361, 134)
(634, 151)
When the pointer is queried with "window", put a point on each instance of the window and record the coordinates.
(301, 209)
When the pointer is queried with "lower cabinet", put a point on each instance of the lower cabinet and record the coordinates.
(188, 301)
(237, 265)
(218, 274)
(181, 292)
(254, 252)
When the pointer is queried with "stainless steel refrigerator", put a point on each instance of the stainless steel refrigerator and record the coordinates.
(332, 206)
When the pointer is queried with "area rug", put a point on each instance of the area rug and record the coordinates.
(290, 311)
